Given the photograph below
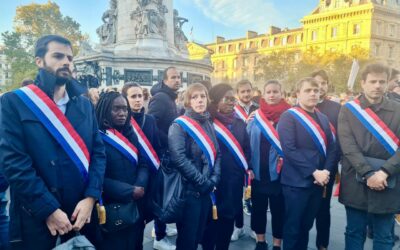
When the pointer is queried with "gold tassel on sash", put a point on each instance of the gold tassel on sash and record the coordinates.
(214, 212)
(101, 213)
(247, 193)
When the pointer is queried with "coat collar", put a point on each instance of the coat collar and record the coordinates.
(386, 104)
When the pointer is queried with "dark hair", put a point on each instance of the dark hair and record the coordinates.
(103, 111)
(374, 68)
(217, 92)
(393, 74)
(26, 82)
(242, 83)
(127, 86)
(165, 77)
(322, 73)
(41, 44)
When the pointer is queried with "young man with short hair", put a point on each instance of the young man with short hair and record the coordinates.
(309, 156)
(331, 110)
(368, 131)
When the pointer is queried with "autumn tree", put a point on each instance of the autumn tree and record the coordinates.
(30, 23)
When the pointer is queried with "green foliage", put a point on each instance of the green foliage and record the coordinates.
(30, 23)
(289, 67)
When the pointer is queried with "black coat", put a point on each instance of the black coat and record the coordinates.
(229, 191)
(189, 159)
(162, 106)
(149, 127)
(121, 177)
(42, 177)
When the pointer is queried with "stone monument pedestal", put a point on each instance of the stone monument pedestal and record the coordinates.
(139, 39)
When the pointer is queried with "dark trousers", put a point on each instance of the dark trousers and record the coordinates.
(323, 219)
(36, 236)
(4, 222)
(259, 214)
(130, 238)
(356, 230)
(239, 220)
(217, 235)
(160, 229)
(301, 207)
(194, 220)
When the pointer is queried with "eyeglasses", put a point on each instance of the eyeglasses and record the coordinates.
(229, 99)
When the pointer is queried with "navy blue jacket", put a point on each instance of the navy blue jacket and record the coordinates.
(41, 175)
(230, 188)
(301, 155)
(121, 176)
(162, 106)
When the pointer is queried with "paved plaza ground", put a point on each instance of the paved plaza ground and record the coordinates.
(247, 243)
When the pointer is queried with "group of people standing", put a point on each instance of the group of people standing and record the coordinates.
(73, 167)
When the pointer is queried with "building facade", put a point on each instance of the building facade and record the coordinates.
(334, 25)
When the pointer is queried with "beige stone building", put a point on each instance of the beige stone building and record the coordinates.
(334, 25)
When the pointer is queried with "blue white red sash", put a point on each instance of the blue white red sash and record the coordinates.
(375, 126)
(194, 129)
(317, 133)
(333, 131)
(121, 143)
(145, 146)
(268, 131)
(231, 143)
(240, 112)
(57, 124)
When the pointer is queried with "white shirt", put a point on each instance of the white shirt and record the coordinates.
(62, 103)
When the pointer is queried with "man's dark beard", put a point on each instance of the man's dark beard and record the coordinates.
(60, 80)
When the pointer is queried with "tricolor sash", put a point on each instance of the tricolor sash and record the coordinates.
(240, 112)
(333, 129)
(268, 131)
(57, 124)
(317, 133)
(145, 146)
(231, 143)
(375, 126)
(194, 129)
(121, 143)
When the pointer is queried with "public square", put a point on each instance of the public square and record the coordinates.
(338, 220)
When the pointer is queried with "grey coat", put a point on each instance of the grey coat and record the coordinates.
(356, 143)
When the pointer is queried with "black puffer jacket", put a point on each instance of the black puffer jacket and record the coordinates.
(162, 106)
(189, 159)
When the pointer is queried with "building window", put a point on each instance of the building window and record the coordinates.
(314, 35)
(284, 41)
(392, 30)
(245, 62)
(377, 48)
(391, 52)
(298, 39)
(356, 29)
(378, 27)
(264, 43)
(334, 32)
(230, 48)
(240, 46)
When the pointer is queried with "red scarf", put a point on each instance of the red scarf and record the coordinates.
(273, 112)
